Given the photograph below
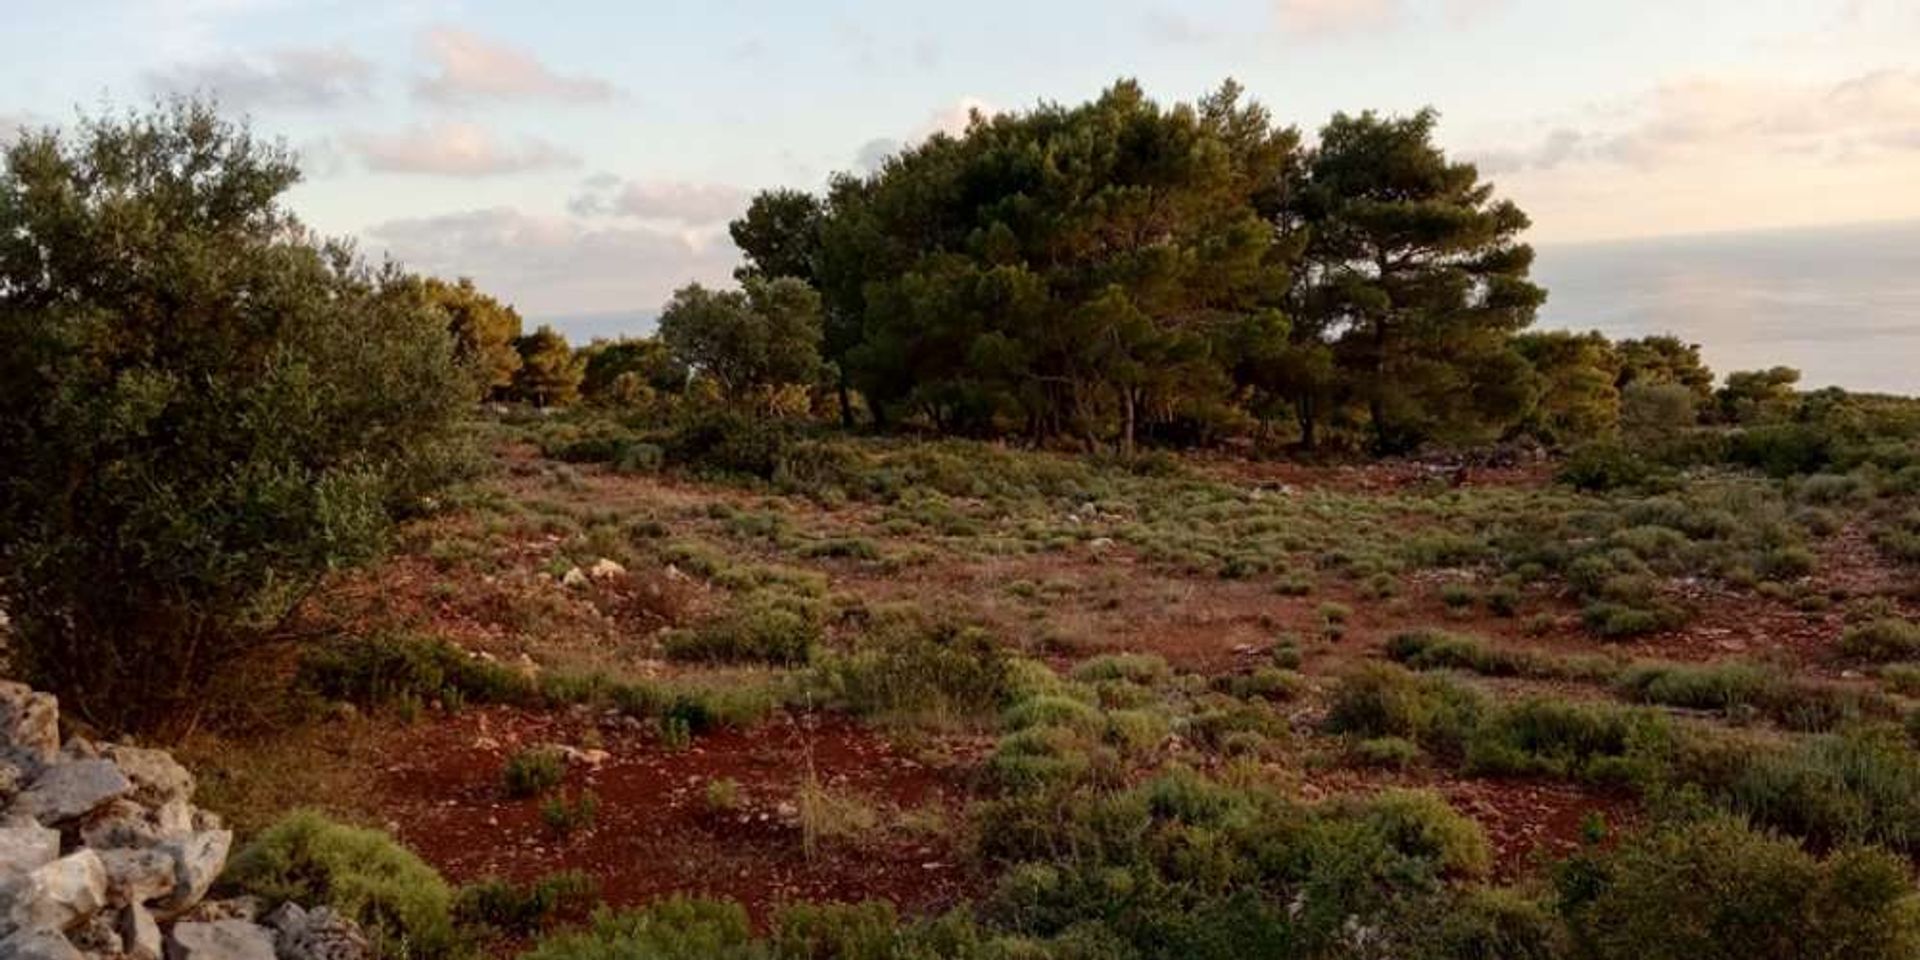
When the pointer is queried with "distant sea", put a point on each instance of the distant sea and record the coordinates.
(1841, 304)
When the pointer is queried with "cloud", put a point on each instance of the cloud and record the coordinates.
(665, 201)
(472, 68)
(1330, 19)
(1175, 27)
(952, 120)
(1325, 18)
(1708, 119)
(297, 77)
(454, 150)
(1721, 153)
(557, 265)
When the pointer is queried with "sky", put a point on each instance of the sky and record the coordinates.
(582, 157)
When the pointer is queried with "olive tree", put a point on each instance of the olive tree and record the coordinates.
(206, 407)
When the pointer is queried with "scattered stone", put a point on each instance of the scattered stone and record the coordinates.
(139, 876)
(140, 935)
(157, 778)
(317, 934)
(220, 940)
(39, 945)
(71, 790)
(97, 936)
(198, 860)
(57, 896)
(606, 569)
(29, 721)
(26, 846)
(575, 578)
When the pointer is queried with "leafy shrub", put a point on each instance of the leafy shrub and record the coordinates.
(1858, 786)
(1390, 752)
(766, 626)
(381, 670)
(1717, 890)
(1781, 450)
(1604, 466)
(401, 903)
(534, 771)
(193, 442)
(1382, 701)
(1143, 668)
(908, 666)
(524, 909)
(677, 928)
(566, 812)
(1422, 824)
(1882, 640)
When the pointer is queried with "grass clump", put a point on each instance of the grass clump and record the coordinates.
(515, 909)
(767, 626)
(1716, 889)
(915, 669)
(405, 907)
(1882, 640)
(534, 771)
(566, 812)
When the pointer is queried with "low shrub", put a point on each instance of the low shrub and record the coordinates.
(514, 909)
(534, 771)
(566, 812)
(1882, 640)
(910, 667)
(766, 626)
(1718, 890)
(402, 904)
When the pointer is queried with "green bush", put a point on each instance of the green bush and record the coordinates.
(678, 928)
(401, 903)
(1717, 890)
(1602, 467)
(1381, 701)
(1390, 752)
(207, 410)
(765, 626)
(534, 771)
(1860, 786)
(910, 667)
(525, 909)
(382, 670)
(1882, 640)
(566, 812)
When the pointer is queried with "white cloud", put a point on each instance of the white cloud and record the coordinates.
(1323, 18)
(1709, 119)
(292, 77)
(557, 265)
(1327, 19)
(454, 150)
(951, 120)
(472, 68)
(1728, 152)
(668, 201)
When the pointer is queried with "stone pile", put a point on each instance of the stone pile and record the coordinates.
(103, 855)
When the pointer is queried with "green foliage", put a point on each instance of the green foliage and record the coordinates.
(522, 910)
(1578, 372)
(566, 812)
(1882, 640)
(765, 335)
(549, 373)
(630, 372)
(908, 667)
(207, 409)
(1718, 890)
(534, 771)
(1604, 466)
(401, 903)
(674, 929)
(1860, 786)
(484, 331)
(384, 670)
(770, 625)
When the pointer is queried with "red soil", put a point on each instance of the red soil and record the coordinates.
(656, 834)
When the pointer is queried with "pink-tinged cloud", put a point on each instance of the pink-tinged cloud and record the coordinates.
(666, 201)
(297, 77)
(455, 150)
(557, 265)
(471, 68)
